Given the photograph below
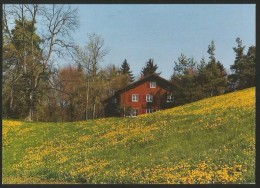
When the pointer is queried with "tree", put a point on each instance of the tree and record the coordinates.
(243, 69)
(194, 81)
(89, 57)
(184, 65)
(25, 73)
(61, 21)
(212, 76)
(33, 51)
(213, 79)
(202, 64)
(211, 52)
(115, 79)
(73, 95)
(50, 106)
(125, 70)
(150, 68)
(184, 80)
(108, 80)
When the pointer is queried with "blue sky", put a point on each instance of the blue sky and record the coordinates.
(162, 32)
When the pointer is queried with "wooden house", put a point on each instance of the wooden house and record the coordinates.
(144, 96)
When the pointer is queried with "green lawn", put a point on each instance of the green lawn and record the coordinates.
(208, 141)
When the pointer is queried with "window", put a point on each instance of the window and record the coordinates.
(134, 112)
(170, 98)
(149, 98)
(148, 111)
(135, 97)
(152, 84)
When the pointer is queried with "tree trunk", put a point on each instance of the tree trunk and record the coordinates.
(11, 99)
(29, 118)
(94, 108)
(86, 117)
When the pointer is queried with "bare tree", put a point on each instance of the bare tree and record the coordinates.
(89, 57)
(60, 21)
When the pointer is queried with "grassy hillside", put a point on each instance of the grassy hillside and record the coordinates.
(209, 141)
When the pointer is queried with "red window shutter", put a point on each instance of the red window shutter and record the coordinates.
(148, 84)
(130, 98)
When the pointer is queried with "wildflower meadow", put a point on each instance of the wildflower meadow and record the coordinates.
(205, 142)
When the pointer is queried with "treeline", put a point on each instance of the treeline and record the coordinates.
(197, 80)
(36, 89)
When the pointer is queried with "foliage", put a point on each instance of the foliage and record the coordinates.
(149, 68)
(34, 88)
(213, 78)
(68, 101)
(184, 80)
(208, 141)
(23, 75)
(185, 66)
(243, 69)
(73, 98)
(28, 54)
(125, 69)
(89, 57)
(194, 81)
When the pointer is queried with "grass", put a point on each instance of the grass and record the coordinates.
(208, 141)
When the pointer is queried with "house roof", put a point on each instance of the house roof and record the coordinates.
(160, 81)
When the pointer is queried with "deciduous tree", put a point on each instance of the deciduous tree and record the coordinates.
(33, 51)
(90, 57)
(72, 91)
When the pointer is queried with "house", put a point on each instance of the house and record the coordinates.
(144, 96)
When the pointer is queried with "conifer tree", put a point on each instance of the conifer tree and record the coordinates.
(202, 64)
(23, 75)
(213, 77)
(243, 69)
(125, 70)
(150, 68)
(184, 81)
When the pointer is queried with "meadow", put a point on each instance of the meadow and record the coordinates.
(208, 141)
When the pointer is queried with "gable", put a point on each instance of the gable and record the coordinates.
(160, 82)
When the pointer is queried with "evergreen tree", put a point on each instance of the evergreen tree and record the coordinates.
(202, 64)
(213, 79)
(23, 75)
(251, 63)
(212, 76)
(181, 65)
(251, 52)
(211, 52)
(184, 80)
(243, 69)
(28, 55)
(150, 68)
(125, 70)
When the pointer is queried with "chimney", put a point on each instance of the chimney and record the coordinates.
(142, 76)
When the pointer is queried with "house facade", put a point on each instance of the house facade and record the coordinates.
(145, 96)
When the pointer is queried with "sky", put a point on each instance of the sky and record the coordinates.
(162, 32)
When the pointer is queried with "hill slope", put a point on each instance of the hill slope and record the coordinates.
(208, 141)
